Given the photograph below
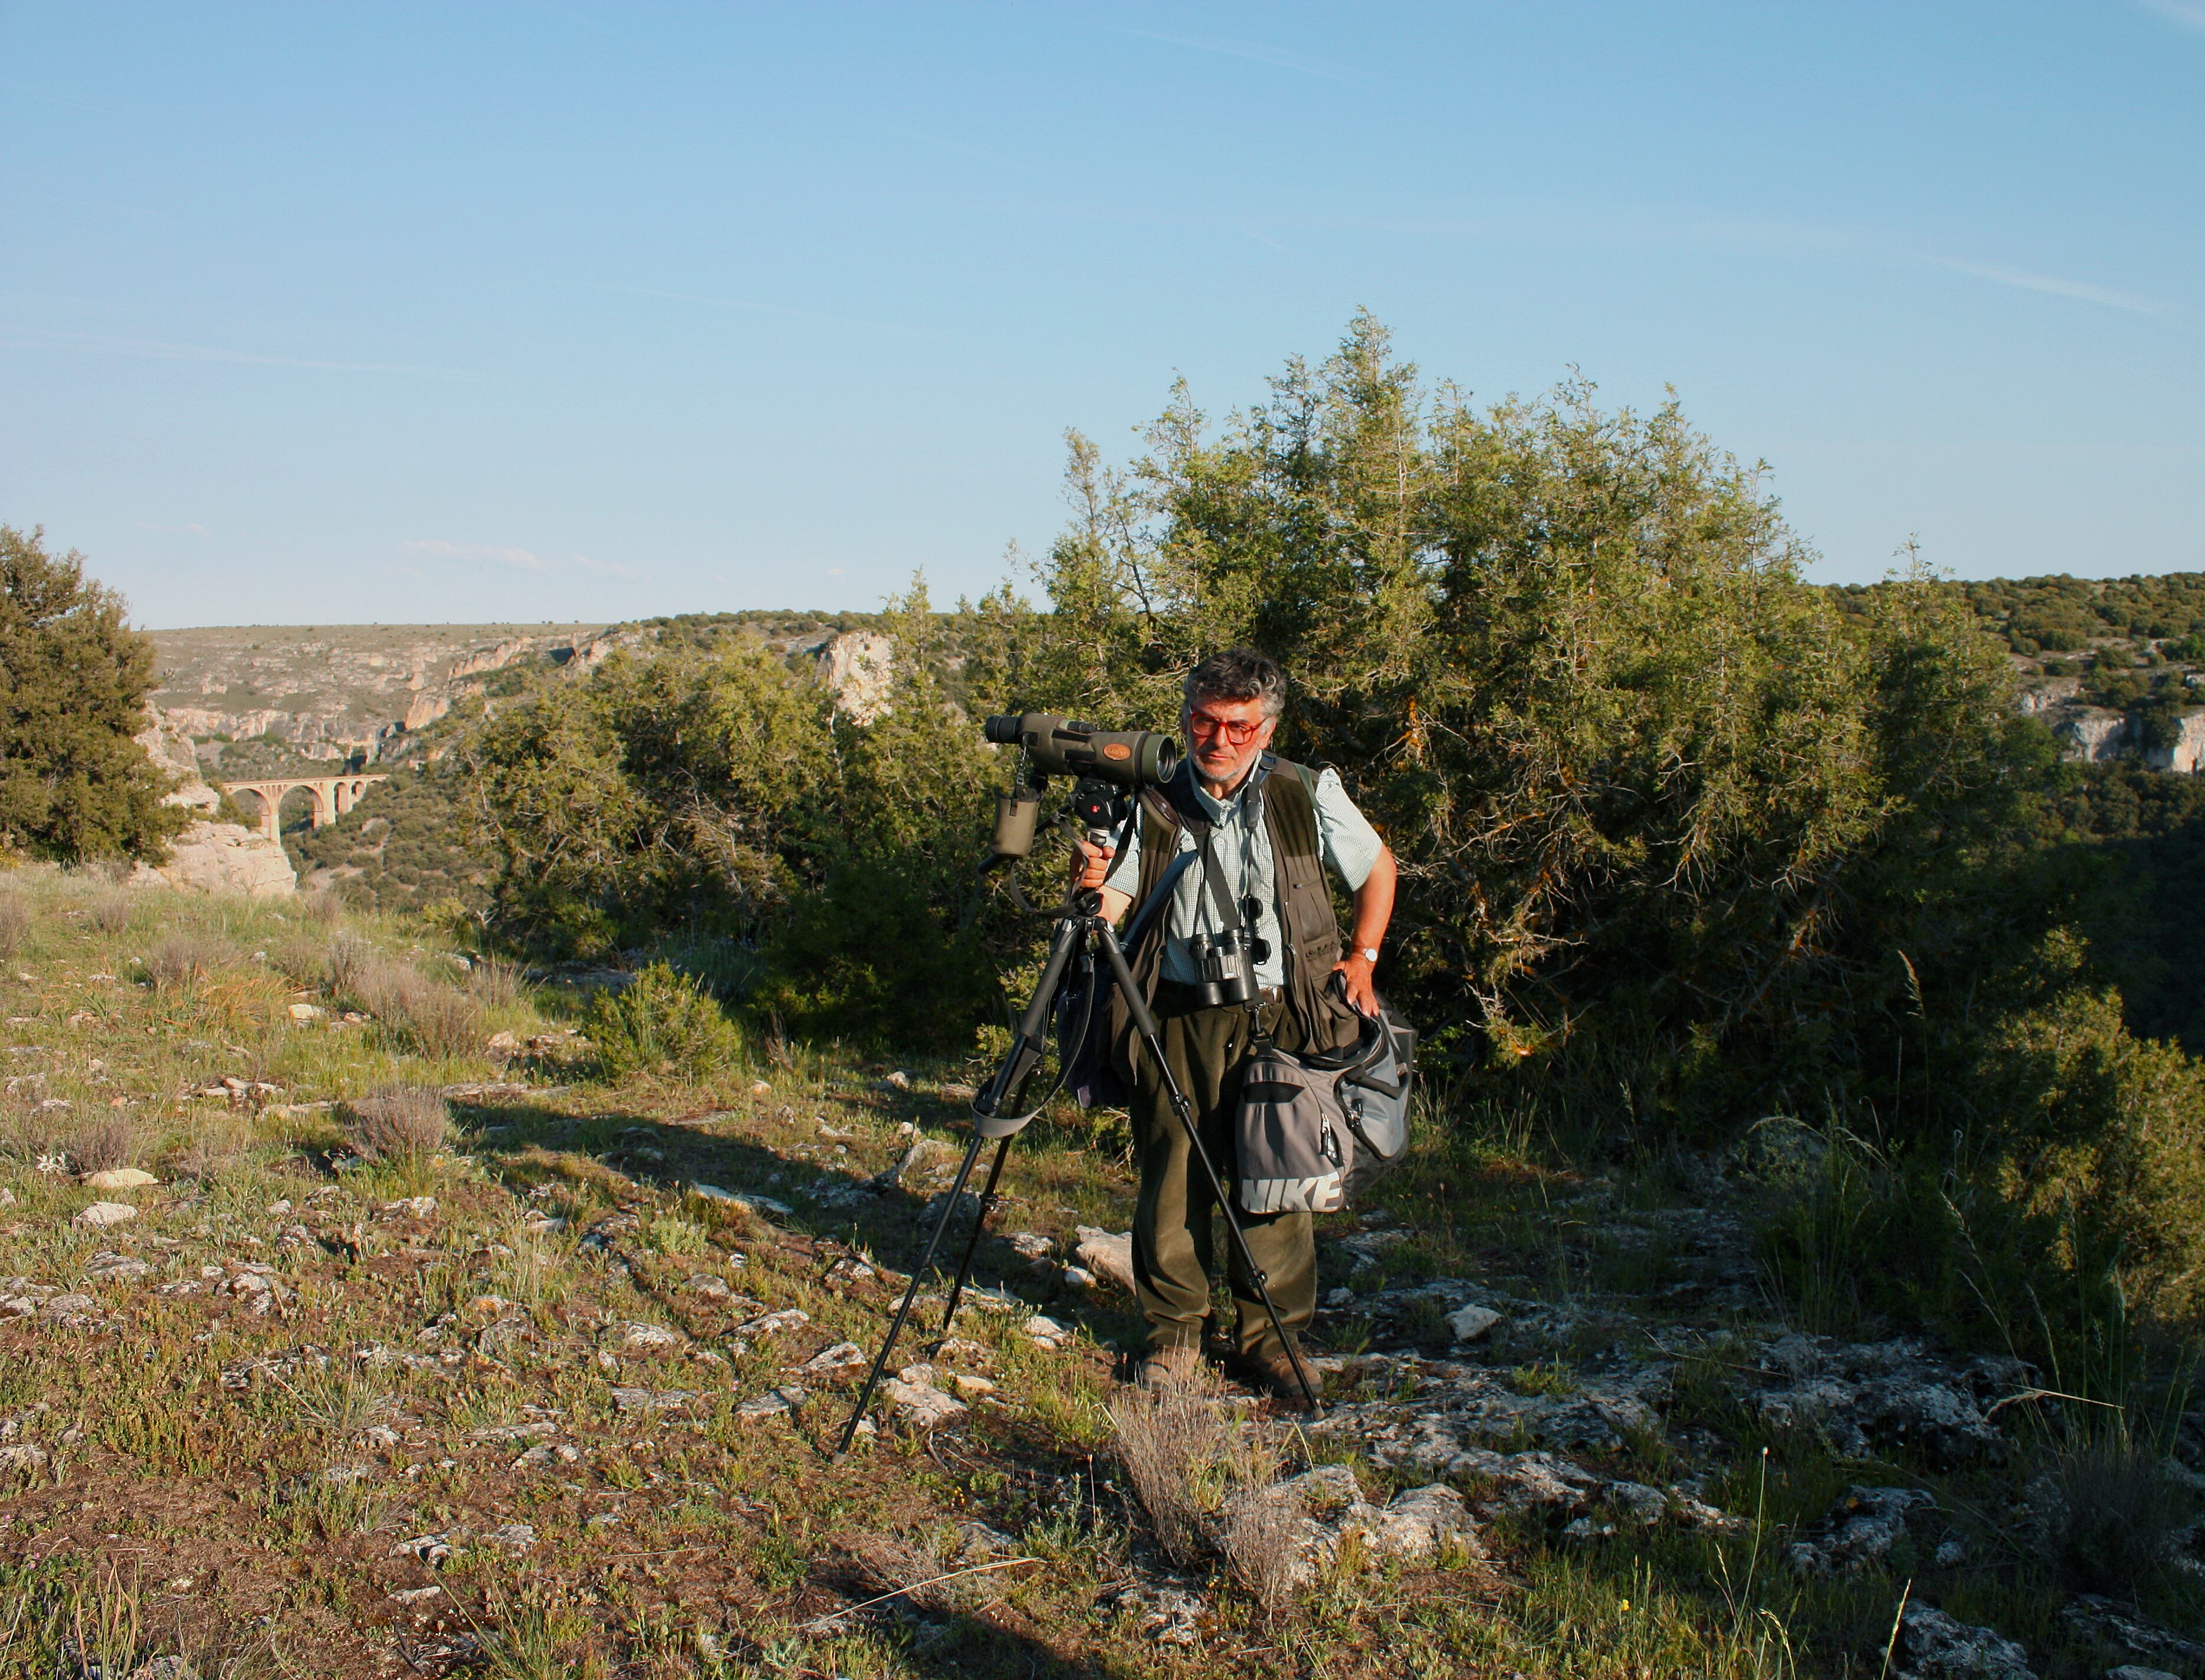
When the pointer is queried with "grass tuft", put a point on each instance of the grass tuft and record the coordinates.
(14, 922)
(1174, 1445)
(105, 1145)
(399, 1123)
(179, 960)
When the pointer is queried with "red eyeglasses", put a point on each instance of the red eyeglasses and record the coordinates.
(1239, 735)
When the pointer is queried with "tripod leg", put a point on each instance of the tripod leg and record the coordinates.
(1144, 1023)
(980, 1228)
(910, 1294)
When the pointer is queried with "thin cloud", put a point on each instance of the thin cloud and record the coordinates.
(606, 569)
(1276, 57)
(149, 349)
(2051, 285)
(749, 307)
(519, 559)
(2188, 13)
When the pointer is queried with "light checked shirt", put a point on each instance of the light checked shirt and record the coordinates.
(1242, 846)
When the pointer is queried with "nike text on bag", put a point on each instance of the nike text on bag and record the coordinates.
(1314, 1133)
(1291, 1147)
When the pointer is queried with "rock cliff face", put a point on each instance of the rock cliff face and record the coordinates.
(2185, 755)
(330, 693)
(2096, 735)
(222, 858)
(860, 666)
(210, 857)
(2092, 734)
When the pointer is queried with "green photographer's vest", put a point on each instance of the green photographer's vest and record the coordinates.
(1308, 929)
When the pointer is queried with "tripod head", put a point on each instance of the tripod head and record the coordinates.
(1111, 767)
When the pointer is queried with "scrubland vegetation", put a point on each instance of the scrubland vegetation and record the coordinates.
(1804, 1243)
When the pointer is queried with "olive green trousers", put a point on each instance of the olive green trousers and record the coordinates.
(1205, 1049)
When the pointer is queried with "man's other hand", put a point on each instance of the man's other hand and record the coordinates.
(1094, 865)
(1355, 972)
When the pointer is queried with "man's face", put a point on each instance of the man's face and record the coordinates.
(1227, 737)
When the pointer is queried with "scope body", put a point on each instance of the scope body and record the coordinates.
(1058, 746)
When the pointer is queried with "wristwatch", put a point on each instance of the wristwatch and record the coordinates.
(1369, 953)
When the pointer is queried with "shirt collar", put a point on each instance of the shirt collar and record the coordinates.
(1223, 810)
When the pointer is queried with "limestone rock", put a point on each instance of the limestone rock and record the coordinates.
(859, 667)
(1047, 1332)
(836, 1363)
(1937, 1648)
(773, 1403)
(119, 1178)
(2099, 1620)
(222, 858)
(1471, 1321)
(107, 1213)
(1107, 1254)
(108, 1267)
(917, 1402)
(1862, 1528)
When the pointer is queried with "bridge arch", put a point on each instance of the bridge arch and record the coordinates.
(329, 796)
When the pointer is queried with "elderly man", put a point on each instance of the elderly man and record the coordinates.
(1265, 831)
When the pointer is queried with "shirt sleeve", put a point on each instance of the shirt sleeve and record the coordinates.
(1350, 845)
(1125, 874)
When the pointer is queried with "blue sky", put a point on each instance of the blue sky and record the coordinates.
(323, 314)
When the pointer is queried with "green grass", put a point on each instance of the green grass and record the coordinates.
(203, 1492)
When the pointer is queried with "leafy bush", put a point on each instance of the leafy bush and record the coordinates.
(866, 959)
(399, 1123)
(662, 1023)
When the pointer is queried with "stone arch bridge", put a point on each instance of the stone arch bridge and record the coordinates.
(333, 796)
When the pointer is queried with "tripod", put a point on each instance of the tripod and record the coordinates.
(1081, 925)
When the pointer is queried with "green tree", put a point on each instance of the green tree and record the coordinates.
(74, 679)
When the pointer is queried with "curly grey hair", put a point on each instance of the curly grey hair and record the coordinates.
(1238, 674)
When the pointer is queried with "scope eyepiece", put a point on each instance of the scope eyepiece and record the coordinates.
(1056, 746)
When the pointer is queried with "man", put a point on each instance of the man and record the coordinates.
(1271, 829)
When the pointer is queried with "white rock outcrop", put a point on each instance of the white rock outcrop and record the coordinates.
(860, 666)
(222, 858)
(208, 856)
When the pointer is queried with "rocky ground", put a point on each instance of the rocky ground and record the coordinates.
(562, 1396)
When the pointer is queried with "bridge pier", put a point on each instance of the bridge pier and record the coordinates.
(332, 797)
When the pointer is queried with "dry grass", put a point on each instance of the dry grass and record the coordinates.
(105, 1145)
(109, 909)
(420, 1013)
(323, 907)
(1261, 1537)
(217, 1141)
(399, 1123)
(299, 961)
(346, 963)
(179, 960)
(494, 982)
(14, 922)
(1176, 1447)
(27, 1132)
